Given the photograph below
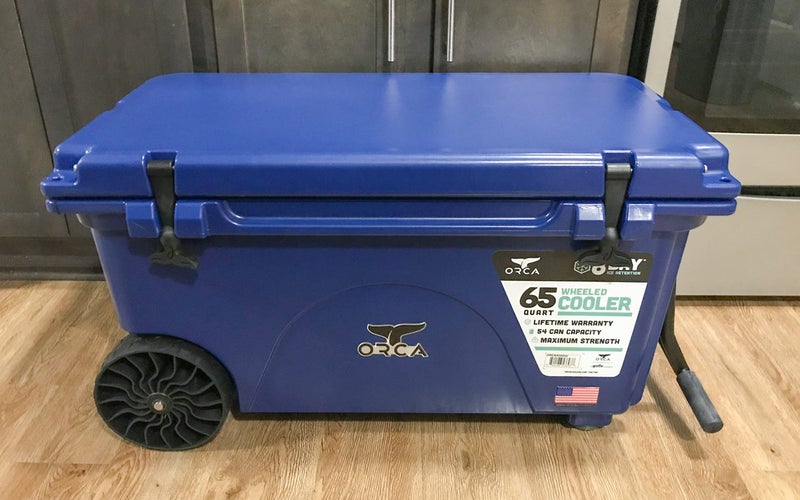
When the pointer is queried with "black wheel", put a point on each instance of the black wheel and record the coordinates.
(163, 393)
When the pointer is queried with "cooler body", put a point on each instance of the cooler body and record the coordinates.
(400, 243)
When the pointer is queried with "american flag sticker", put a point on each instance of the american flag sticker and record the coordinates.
(570, 395)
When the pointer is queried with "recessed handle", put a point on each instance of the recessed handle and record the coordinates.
(204, 218)
(451, 14)
(390, 32)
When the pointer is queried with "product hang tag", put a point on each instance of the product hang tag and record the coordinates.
(577, 319)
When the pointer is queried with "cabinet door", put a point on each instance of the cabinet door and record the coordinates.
(85, 55)
(88, 54)
(412, 40)
(300, 35)
(24, 153)
(613, 35)
(534, 35)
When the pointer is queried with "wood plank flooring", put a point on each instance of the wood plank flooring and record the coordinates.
(54, 335)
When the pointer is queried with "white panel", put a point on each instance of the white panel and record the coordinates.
(763, 159)
(756, 251)
(661, 45)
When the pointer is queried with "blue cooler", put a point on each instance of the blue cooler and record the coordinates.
(385, 243)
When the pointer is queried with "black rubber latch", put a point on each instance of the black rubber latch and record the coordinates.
(618, 177)
(161, 174)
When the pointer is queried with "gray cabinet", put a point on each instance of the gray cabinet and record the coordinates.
(534, 35)
(423, 35)
(87, 54)
(24, 152)
(323, 36)
(613, 35)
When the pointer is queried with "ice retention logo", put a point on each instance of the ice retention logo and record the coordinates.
(611, 270)
(523, 266)
(394, 345)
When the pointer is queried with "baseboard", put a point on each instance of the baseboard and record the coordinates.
(49, 258)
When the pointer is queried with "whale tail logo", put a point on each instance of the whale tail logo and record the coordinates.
(393, 334)
(524, 263)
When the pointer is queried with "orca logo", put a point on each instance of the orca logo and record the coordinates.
(523, 263)
(523, 266)
(394, 345)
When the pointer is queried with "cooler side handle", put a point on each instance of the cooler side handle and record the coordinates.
(204, 218)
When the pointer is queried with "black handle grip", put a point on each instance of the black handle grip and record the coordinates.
(701, 405)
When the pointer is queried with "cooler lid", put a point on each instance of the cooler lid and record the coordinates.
(410, 135)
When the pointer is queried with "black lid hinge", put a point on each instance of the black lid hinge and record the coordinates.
(161, 174)
(618, 177)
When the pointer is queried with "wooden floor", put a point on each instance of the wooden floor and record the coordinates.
(54, 335)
